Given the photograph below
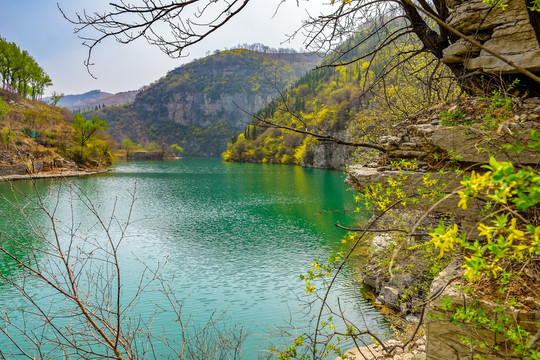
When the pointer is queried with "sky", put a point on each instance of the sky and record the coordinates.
(38, 27)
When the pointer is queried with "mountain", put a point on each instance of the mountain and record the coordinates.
(200, 105)
(91, 99)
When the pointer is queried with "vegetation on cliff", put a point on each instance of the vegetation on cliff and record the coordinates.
(353, 103)
(34, 134)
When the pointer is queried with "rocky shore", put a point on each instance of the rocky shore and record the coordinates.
(413, 351)
(429, 152)
(53, 174)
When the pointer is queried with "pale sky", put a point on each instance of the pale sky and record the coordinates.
(38, 27)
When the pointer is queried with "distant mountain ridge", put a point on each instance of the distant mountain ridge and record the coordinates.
(200, 105)
(91, 99)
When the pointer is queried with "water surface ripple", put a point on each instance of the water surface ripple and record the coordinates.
(236, 237)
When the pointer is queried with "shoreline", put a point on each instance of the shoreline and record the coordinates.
(53, 175)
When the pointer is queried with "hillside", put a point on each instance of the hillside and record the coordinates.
(31, 131)
(346, 102)
(37, 137)
(202, 104)
(91, 99)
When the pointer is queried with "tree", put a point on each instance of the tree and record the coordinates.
(21, 71)
(153, 146)
(128, 145)
(177, 149)
(86, 130)
(55, 97)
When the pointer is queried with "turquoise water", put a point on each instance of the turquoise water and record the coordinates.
(234, 238)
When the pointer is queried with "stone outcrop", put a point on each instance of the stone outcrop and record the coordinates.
(328, 155)
(468, 143)
(428, 136)
(18, 169)
(35, 167)
(506, 32)
(63, 164)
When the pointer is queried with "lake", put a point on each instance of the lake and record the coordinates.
(232, 238)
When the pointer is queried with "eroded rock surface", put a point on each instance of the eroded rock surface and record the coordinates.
(506, 32)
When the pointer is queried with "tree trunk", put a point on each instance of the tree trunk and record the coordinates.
(534, 19)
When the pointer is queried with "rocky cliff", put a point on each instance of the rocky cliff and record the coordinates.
(506, 30)
(324, 155)
(227, 86)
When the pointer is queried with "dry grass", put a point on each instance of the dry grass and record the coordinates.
(32, 130)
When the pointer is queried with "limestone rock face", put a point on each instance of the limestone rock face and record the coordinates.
(468, 143)
(328, 155)
(506, 32)
(181, 107)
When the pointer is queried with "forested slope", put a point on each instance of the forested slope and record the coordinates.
(38, 137)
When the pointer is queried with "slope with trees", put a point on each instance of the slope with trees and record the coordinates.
(37, 137)
(345, 104)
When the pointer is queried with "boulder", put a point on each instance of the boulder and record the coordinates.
(389, 297)
(63, 164)
(19, 169)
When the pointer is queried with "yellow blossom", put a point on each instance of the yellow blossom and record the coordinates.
(445, 242)
(514, 233)
(486, 231)
(463, 200)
